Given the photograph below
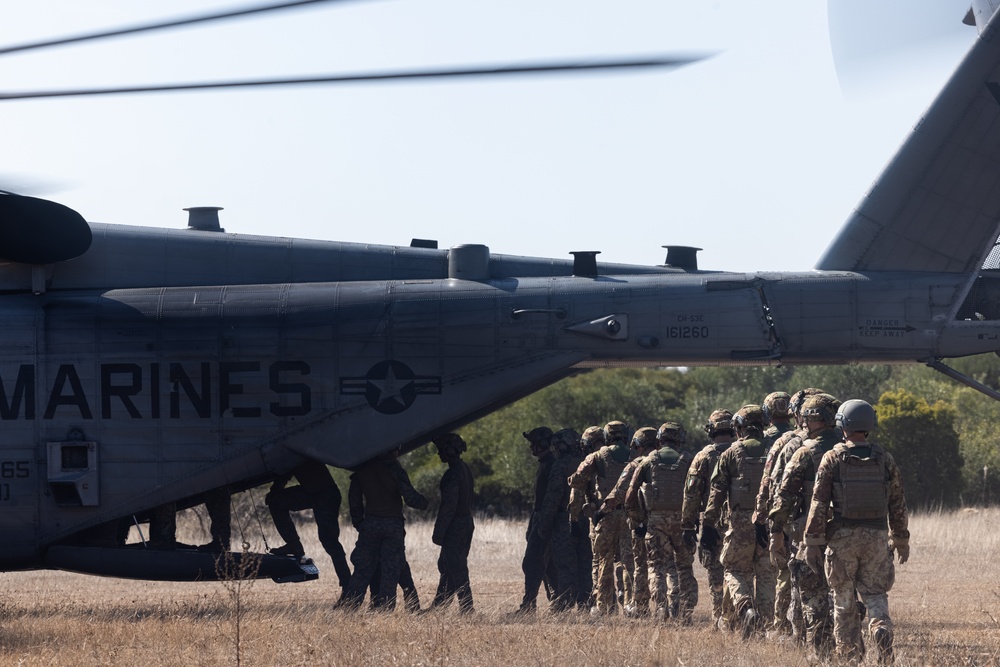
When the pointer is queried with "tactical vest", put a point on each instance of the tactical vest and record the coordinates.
(612, 471)
(665, 490)
(859, 487)
(743, 489)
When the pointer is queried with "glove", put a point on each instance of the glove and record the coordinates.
(639, 530)
(760, 532)
(814, 557)
(598, 515)
(710, 538)
(690, 538)
(901, 545)
(776, 547)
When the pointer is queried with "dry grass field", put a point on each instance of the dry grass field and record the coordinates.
(946, 606)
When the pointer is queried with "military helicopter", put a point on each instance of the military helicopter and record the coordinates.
(145, 366)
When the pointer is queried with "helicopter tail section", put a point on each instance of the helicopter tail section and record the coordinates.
(936, 206)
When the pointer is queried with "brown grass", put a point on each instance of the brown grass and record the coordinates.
(946, 606)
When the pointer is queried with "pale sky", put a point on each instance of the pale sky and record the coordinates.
(755, 155)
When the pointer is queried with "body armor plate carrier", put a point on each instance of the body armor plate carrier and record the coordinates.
(743, 489)
(665, 492)
(859, 488)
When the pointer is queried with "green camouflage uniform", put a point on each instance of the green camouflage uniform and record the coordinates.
(553, 525)
(748, 572)
(659, 481)
(858, 558)
(791, 504)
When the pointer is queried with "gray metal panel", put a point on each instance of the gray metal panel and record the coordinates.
(936, 206)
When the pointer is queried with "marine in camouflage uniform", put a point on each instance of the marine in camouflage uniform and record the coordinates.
(537, 551)
(749, 576)
(658, 485)
(857, 495)
(643, 443)
(696, 487)
(375, 497)
(553, 519)
(612, 537)
(582, 505)
(792, 504)
(315, 490)
(454, 526)
(787, 599)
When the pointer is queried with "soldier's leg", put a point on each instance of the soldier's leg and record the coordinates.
(326, 511)
(411, 599)
(459, 571)
(764, 586)
(584, 566)
(220, 515)
(280, 504)
(737, 559)
(604, 554)
(365, 560)
(782, 599)
(686, 589)
(640, 576)
(623, 538)
(392, 557)
(875, 577)
(841, 567)
(533, 565)
(815, 608)
(564, 559)
(657, 553)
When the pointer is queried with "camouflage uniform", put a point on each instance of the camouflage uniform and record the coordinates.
(375, 498)
(858, 492)
(316, 490)
(792, 503)
(612, 537)
(537, 551)
(643, 442)
(696, 490)
(658, 484)
(553, 519)
(749, 576)
(454, 526)
(582, 503)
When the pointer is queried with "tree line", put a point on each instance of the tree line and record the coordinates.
(942, 434)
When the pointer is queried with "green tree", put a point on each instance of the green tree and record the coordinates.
(923, 440)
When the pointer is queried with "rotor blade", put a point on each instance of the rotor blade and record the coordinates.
(148, 27)
(528, 69)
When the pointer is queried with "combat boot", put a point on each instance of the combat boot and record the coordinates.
(294, 550)
(883, 641)
(748, 623)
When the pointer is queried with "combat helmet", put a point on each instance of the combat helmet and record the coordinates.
(776, 405)
(799, 397)
(749, 416)
(538, 434)
(615, 431)
(644, 439)
(821, 407)
(592, 439)
(450, 444)
(856, 415)
(671, 432)
(718, 422)
(566, 440)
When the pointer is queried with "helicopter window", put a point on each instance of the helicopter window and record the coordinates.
(983, 301)
(74, 457)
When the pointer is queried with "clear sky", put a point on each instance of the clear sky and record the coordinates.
(756, 155)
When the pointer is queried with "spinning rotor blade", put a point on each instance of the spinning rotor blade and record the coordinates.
(527, 69)
(149, 27)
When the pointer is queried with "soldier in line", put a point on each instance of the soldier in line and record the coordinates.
(658, 483)
(537, 551)
(858, 493)
(787, 599)
(612, 537)
(375, 497)
(748, 573)
(643, 443)
(316, 490)
(792, 504)
(582, 505)
(777, 416)
(553, 519)
(720, 430)
(454, 525)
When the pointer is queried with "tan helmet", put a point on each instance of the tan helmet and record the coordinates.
(821, 407)
(592, 439)
(566, 440)
(719, 421)
(615, 432)
(450, 444)
(749, 416)
(644, 439)
(671, 432)
(776, 406)
(795, 405)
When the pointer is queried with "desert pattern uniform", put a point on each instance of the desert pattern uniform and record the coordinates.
(643, 442)
(612, 537)
(749, 576)
(375, 497)
(454, 525)
(787, 600)
(658, 483)
(792, 503)
(858, 493)
(582, 504)
(553, 522)
(696, 489)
